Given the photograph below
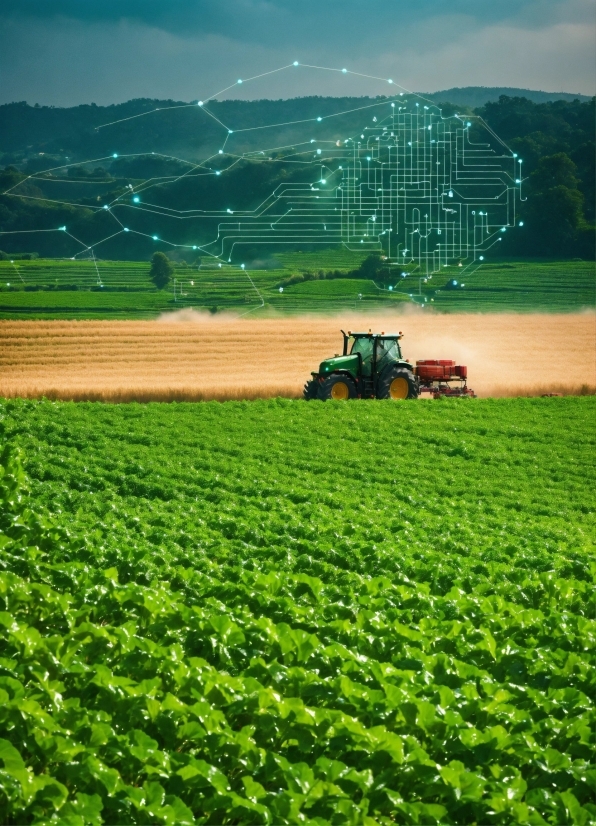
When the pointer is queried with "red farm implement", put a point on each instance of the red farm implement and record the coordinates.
(442, 377)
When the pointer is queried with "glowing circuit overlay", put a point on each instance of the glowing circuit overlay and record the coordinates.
(422, 190)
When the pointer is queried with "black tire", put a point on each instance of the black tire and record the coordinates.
(311, 388)
(337, 386)
(397, 383)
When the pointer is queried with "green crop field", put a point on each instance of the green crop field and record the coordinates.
(282, 612)
(121, 289)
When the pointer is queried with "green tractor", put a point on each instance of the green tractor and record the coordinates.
(371, 366)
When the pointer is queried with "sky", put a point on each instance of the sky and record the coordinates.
(67, 52)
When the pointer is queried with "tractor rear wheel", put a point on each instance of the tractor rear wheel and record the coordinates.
(311, 388)
(397, 383)
(337, 387)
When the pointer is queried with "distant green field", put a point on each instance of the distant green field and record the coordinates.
(119, 289)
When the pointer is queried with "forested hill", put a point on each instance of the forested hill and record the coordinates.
(476, 96)
(555, 140)
(80, 132)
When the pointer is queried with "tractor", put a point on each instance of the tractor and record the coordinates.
(372, 367)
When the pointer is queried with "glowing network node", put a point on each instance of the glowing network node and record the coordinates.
(200, 103)
(521, 223)
(63, 229)
(410, 196)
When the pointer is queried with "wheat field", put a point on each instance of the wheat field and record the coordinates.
(190, 356)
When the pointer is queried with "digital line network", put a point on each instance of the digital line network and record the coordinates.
(421, 189)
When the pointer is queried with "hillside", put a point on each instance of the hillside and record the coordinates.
(554, 139)
(477, 96)
(26, 130)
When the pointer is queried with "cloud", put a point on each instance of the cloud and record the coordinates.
(309, 20)
(132, 48)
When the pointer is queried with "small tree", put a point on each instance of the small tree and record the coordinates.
(161, 270)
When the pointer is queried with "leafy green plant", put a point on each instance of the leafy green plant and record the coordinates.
(247, 621)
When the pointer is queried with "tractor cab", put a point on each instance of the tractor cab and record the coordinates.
(371, 366)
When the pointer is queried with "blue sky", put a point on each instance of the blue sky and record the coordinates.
(64, 52)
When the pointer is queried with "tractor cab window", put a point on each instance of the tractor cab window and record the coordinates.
(387, 352)
(364, 346)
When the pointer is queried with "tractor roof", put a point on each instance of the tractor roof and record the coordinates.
(375, 335)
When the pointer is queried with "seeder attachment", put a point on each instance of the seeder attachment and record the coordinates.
(435, 377)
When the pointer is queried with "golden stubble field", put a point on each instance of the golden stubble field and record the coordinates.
(190, 356)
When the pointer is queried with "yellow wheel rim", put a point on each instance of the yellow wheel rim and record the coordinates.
(398, 389)
(340, 391)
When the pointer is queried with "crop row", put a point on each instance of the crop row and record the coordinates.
(85, 288)
(248, 621)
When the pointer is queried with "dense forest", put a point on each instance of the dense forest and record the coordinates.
(555, 139)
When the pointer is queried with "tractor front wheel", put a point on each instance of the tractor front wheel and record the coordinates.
(398, 383)
(311, 388)
(337, 387)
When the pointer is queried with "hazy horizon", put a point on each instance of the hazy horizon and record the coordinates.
(64, 53)
(552, 94)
